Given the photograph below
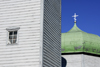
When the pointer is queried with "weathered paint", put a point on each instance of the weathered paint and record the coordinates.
(76, 40)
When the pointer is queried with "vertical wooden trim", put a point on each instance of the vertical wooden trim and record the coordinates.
(41, 32)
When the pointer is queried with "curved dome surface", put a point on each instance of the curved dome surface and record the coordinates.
(76, 40)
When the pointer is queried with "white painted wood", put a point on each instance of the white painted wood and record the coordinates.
(26, 15)
(73, 60)
(82, 60)
(91, 61)
(38, 27)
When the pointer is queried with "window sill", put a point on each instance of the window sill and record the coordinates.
(13, 44)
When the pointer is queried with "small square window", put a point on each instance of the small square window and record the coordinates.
(12, 35)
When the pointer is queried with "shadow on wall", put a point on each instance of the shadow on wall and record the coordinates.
(64, 62)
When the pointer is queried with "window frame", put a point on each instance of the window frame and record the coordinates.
(12, 29)
(12, 37)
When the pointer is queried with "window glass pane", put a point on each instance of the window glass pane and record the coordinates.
(11, 41)
(10, 33)
(15, 32)
(14, 41)
(15, 37)
(10, 37)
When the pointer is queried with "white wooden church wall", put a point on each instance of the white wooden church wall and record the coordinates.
(26, 15)
(81, 60)
(73, 60)
(91, 61)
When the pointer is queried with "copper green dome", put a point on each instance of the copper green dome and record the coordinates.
(76, 40)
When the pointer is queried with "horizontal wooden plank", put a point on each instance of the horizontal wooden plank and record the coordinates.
(18, 1)
(20, 61)
(19, 48)
(12, 55)
(19, 55)
(22, 13)
(21, 43)
(19, 16)
(17, 22)
(30, 5)
(32, 64)
(20, 9)
(23, 39)
(19, 4)
(23, 20)
(24, 25)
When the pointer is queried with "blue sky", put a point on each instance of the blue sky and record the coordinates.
(88, 19)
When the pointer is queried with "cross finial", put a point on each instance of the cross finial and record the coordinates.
(75, 17)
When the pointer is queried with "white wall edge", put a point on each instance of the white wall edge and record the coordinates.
(41, 31)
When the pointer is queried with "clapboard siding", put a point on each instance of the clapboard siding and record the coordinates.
(51, 34)
(25, 14)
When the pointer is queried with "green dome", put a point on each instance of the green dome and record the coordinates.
(77, 40)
